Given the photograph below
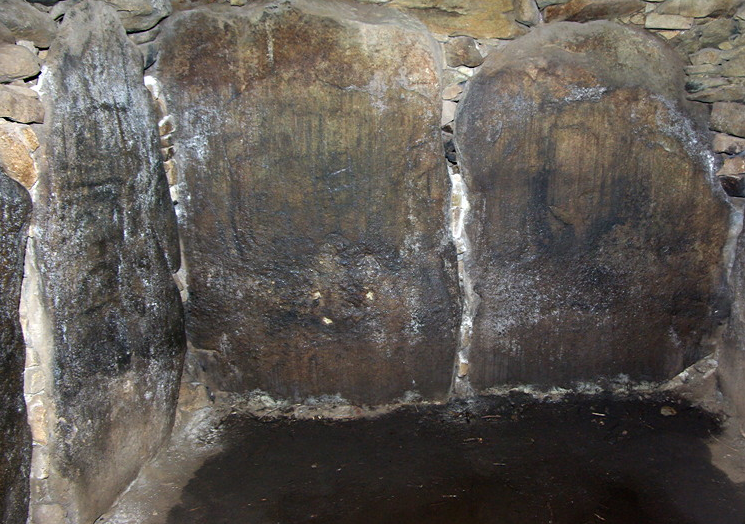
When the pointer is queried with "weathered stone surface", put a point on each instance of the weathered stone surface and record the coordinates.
(586, 10)
(544, 3)
(476, 18)
(20, 104)
(732, 92)
(462, 51)
(697, 8)
(17, 142)
(735, 66)
(140, 15)
(144, 37)
(105, 246)
(728, 117)
(709, 34)
(731, 355)
(15, 438)
(16, 63)
(448, 112)
(149, 54)
(733, 185)
(700, 83)
(452, 92)
(26, 22)
(660, 21)
(526, 12)
(6, 37)
(314, 230)
(703, 69)
(732, 166)
(706, 56)
(580, 159)
(724, 143)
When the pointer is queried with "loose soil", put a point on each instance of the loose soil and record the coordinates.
(504, 460)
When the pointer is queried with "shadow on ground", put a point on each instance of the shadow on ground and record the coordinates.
(496, 461)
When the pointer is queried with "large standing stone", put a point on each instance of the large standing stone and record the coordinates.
(106, 243)
(15, 438)
(597, 227)
(314, 227)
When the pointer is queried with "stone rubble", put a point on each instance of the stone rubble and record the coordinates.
(462, 51)
(26, 22)
(17, 144)
(587, 10)
(20, 104)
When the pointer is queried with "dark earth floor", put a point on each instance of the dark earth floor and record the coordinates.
(499, 461)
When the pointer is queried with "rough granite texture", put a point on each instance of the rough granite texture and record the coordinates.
(597, 230)
(106, 242)
(315, 198)
(15, 438)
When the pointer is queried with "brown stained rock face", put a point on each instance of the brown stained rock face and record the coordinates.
(597, 232)
(15, 438)
(106, 244)
(462, 51)
(314, 225)
(586, 10)
(476, 18)
(17, 142)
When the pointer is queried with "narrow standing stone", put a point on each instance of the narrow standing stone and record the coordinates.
(106, 245)
(15, 438)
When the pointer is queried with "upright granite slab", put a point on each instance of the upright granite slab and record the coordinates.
(597, 230)
(15, 437)
(314, 194)
(105, 244)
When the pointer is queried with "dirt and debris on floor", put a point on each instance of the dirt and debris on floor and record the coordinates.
(491, 460)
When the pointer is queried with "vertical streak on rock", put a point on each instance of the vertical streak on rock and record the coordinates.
(731, 353)
(459, 216)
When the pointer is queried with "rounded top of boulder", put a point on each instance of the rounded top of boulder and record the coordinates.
(595, 53)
